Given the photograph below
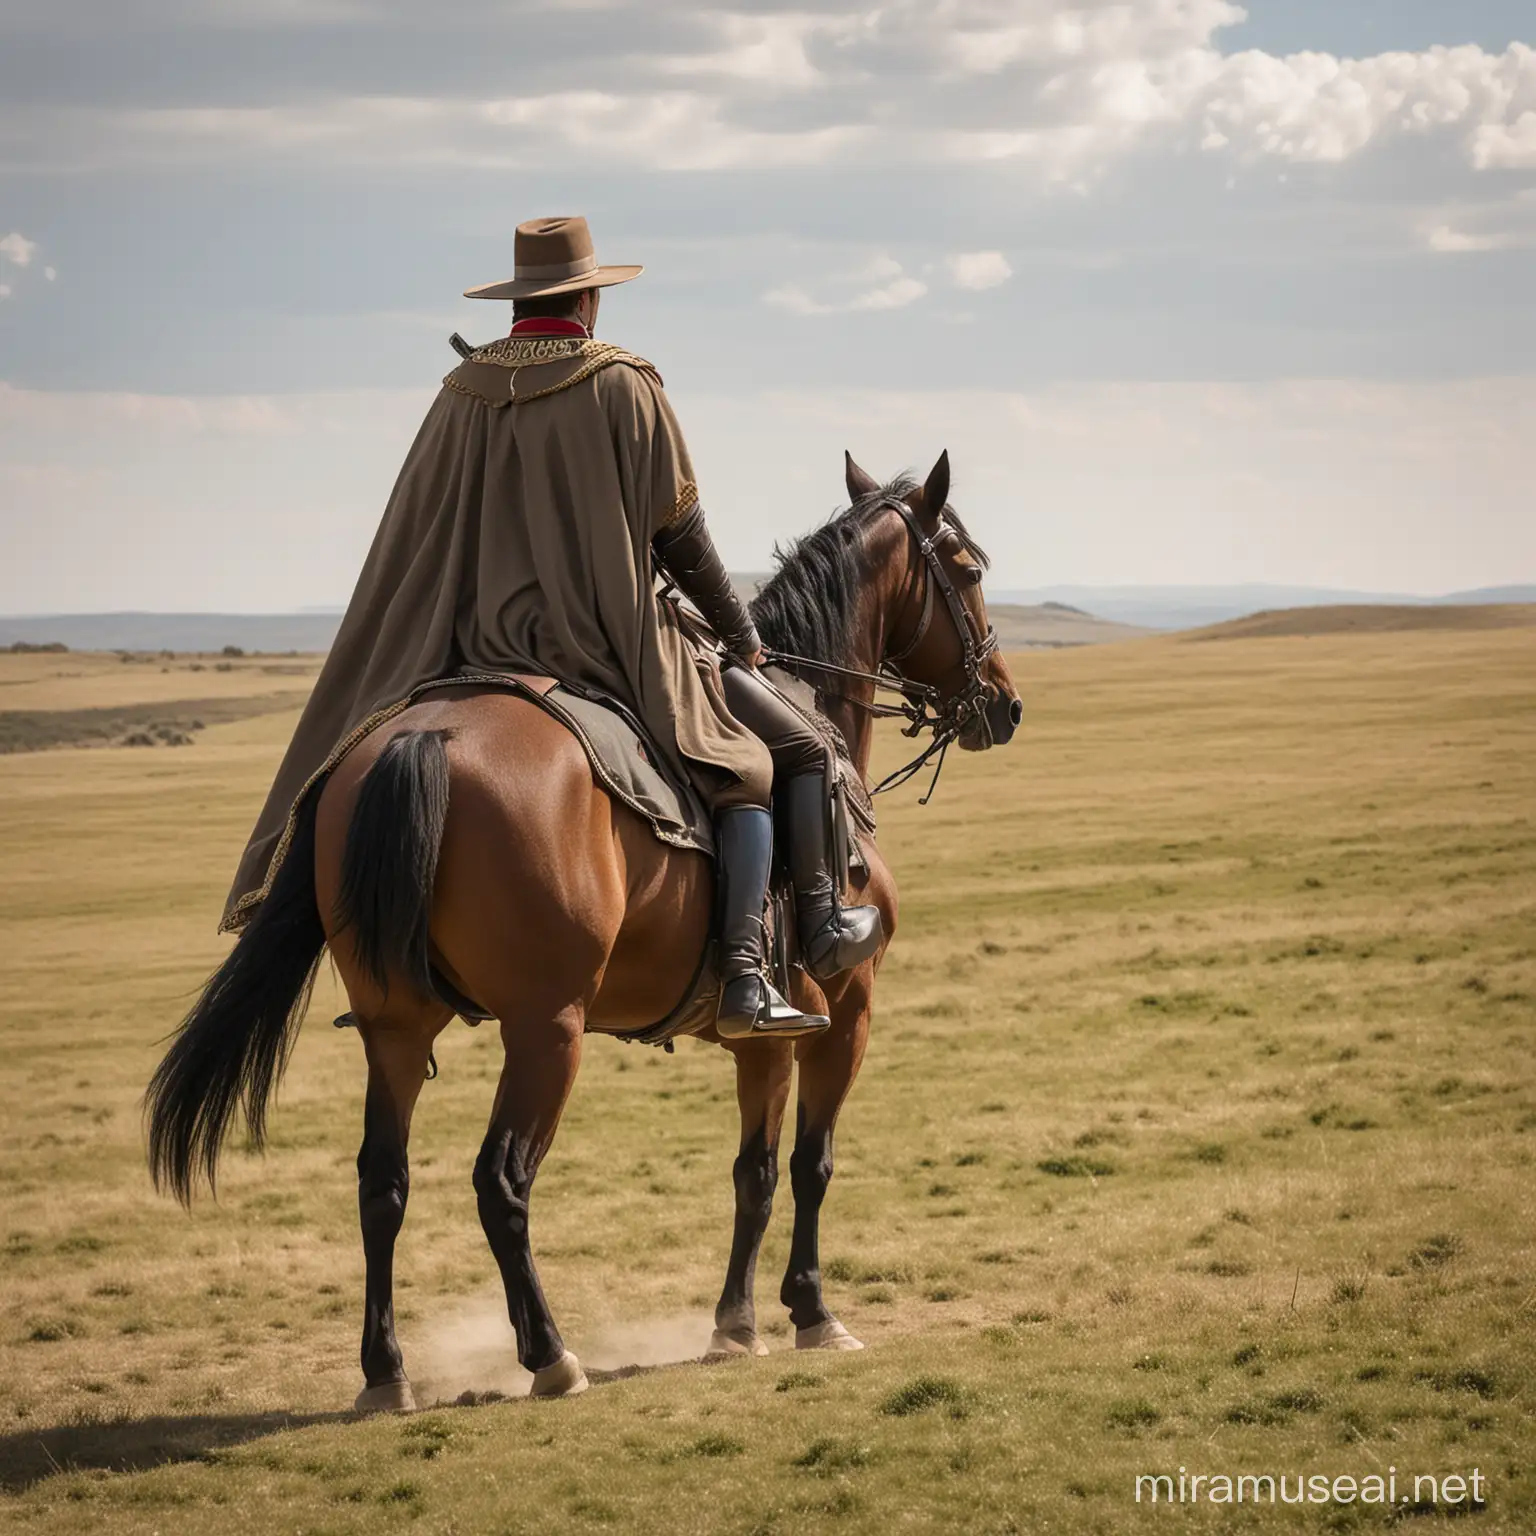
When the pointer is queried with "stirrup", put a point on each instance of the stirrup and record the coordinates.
(775, 1017)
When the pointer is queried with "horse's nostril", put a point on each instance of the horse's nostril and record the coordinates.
(1016, 713)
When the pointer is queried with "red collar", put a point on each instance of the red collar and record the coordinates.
(549, 327)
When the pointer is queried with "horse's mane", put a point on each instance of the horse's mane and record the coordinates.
(807, 607)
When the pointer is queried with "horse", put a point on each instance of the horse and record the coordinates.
(466, 839)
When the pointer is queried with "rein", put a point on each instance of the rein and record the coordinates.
(924, 706)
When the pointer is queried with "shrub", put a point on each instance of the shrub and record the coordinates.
(716, 1444)
(920, 1393)
(1132, 1413)
(1075, 1167)
(1435, 1251)
(826, 1456)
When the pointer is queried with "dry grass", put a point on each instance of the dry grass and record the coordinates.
(115, 680)
(91, 699)
(1197, 1128)
(173, 723)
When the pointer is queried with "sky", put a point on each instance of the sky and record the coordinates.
(1191, 291)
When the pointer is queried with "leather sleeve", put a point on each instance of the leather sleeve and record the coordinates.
(687, 553)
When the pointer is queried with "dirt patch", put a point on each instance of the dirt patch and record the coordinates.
(137, 725)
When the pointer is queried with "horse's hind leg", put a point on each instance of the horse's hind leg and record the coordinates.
(763, 1071)
(398, 1054)
(541, 1065)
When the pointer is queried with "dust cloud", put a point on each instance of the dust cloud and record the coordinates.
(471, 1349)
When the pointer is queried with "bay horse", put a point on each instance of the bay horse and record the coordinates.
(467, 833)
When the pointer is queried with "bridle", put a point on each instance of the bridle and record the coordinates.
(925, 707)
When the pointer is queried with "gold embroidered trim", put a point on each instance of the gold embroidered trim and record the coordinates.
(519, 351)
(474, 394)
(594, 364)
(508, 353)
(687, 499)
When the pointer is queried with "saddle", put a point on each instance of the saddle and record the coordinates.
(627, 764)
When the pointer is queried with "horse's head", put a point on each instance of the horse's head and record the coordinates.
(938, 632)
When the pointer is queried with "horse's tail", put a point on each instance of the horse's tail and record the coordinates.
(389, 867)
(232, 1047)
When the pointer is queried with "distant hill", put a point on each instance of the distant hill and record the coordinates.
(1103, 613)
(1020, 626)
(1492, 595)
(1053, 626)
(1371, 618)
(1193, 607)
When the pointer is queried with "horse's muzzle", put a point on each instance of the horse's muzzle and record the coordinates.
(1003, 717)
(992, 727)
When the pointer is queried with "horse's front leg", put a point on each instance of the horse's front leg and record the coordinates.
(828, 1065)
(542, 1058)
(763, 1071)
(398, 1054)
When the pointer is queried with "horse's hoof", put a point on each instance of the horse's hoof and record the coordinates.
(729, 1344)
(389, 1397)
(565, 1378)
(828, 1335)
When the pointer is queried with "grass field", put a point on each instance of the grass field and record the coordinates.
(1197, 1130)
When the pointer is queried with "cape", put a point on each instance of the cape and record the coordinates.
(517, 539)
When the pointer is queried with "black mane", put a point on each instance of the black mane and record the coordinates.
(807, 607)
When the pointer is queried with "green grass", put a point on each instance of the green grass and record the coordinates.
(1197, 1128)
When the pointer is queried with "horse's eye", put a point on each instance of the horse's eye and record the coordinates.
(973, 575)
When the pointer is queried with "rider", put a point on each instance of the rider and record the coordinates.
(523, 537)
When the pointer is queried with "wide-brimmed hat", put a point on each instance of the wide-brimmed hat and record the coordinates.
(554, 256)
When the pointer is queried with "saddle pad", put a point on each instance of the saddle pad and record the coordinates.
(625, 765)
(623, 762)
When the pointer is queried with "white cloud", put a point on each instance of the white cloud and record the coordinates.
(880, 268)
(17, 249)
(896, 294)
(51, 273)
(893, 289)
(1313, 107)
(768, 50)
(1063, 90)
(978, 269)
(1507, 145)
(796, 300)
(5, 290)
(1443, 238)
(655, 130)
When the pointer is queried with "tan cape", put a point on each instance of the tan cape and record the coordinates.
(517, 539)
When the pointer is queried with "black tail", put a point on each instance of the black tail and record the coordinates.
(390, 864)
(233, 1046)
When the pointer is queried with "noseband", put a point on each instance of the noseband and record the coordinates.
(925, 707)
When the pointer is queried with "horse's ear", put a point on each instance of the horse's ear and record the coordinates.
(936, 488)
(860, 482)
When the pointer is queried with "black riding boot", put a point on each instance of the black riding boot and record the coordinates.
(748, 1005)
(833, 937)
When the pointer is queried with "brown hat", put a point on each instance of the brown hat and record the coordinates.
(554, 256)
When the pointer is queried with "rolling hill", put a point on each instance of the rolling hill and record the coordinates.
(1375, 619)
